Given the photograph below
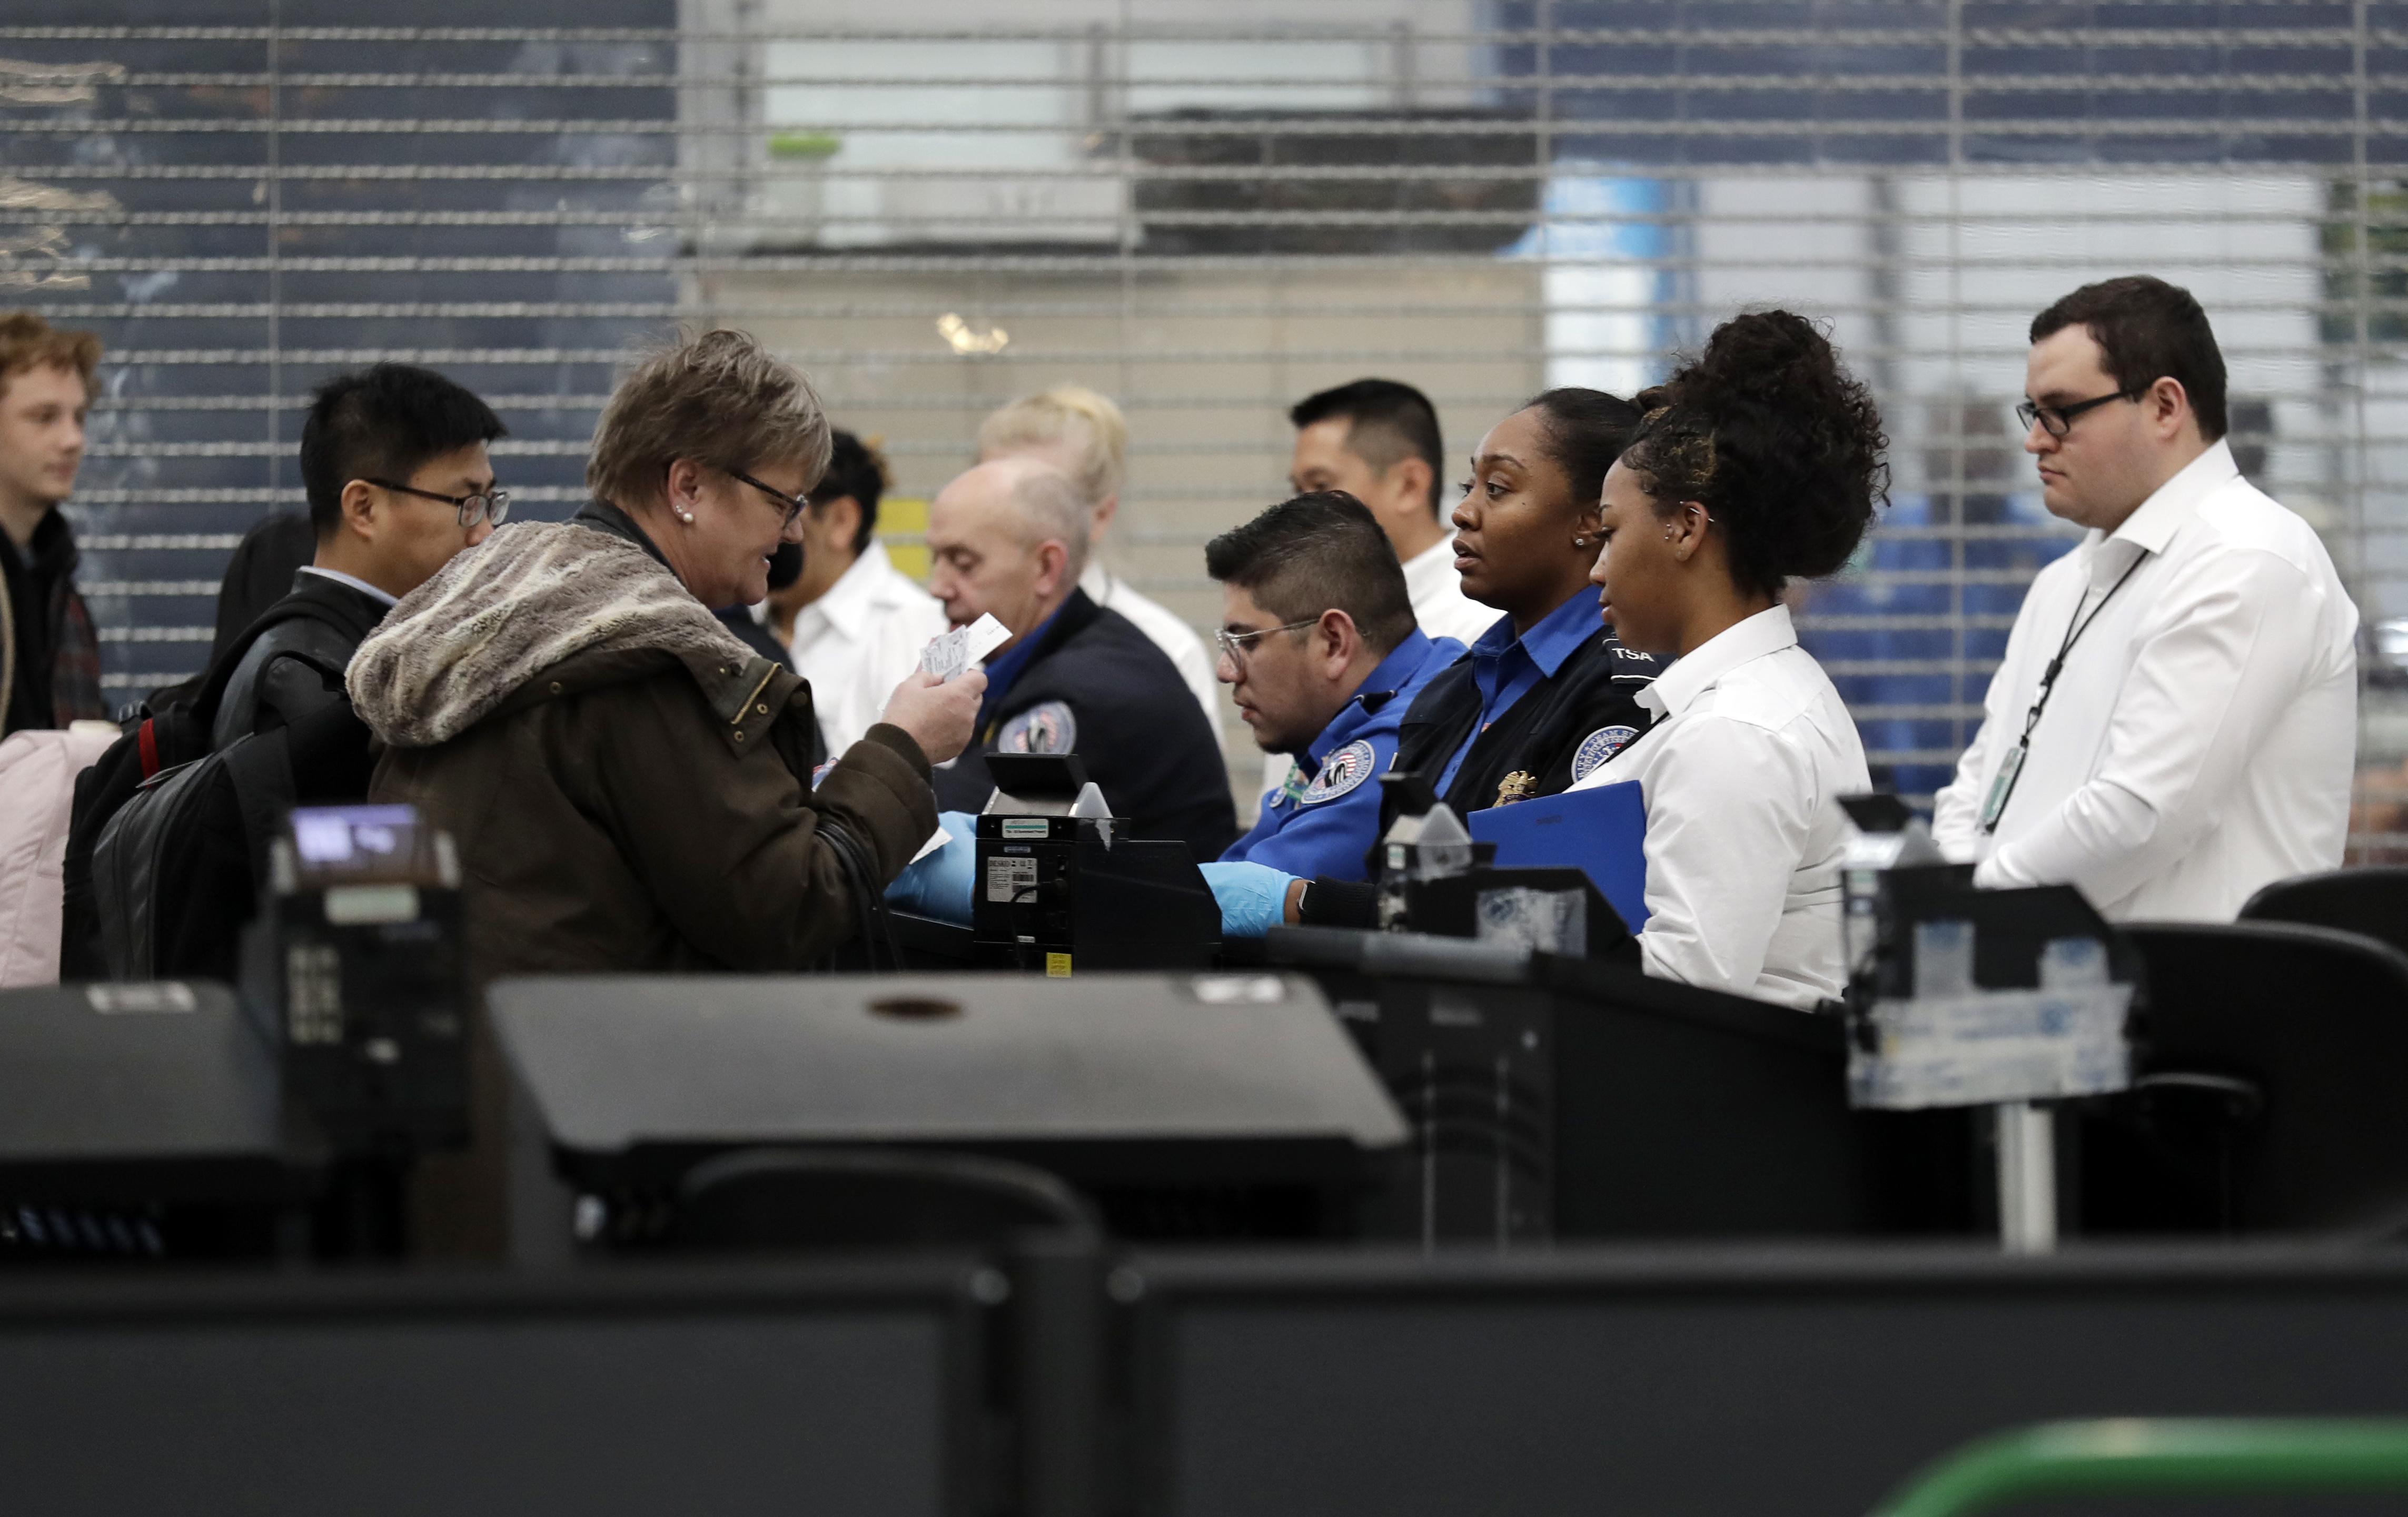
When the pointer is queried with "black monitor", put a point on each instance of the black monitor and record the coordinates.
(1552, 1098)
(142, 1120)
(1187, 1105)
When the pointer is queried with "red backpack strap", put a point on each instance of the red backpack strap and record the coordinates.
(147, 739)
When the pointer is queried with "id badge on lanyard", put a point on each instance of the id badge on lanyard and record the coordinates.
(2005, 785)
(2002, 789)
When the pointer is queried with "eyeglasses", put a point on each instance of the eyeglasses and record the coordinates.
(793, 505)
(1234, 645)
(2057, 420)
(483, 506)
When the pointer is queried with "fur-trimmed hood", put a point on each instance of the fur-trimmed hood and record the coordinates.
(529, 597)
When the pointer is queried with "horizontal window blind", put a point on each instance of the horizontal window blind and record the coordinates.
(1207, 213)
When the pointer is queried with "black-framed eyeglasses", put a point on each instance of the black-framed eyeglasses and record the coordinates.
(481, 506)
(791, 505)
(2057, 420)
(1233, 645)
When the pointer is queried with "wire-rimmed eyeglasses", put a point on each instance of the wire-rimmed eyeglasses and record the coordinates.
(2057, 420)
(1233, 645)
(478, 505)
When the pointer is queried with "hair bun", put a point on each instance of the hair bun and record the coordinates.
(1771, 357)
(1776, 438)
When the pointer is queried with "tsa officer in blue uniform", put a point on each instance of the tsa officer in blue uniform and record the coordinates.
(1544, 698)
(1319, 646)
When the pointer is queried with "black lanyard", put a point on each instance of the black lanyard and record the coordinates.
(2004, 788)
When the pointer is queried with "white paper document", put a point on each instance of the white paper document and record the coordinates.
(951, 652)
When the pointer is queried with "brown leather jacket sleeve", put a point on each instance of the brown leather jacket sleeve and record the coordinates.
(728, 838)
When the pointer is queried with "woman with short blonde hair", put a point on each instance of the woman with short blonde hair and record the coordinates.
(629, 786)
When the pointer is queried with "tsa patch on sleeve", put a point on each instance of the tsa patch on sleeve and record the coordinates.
(1047, 728)
(1598, 746)
(1341, 772)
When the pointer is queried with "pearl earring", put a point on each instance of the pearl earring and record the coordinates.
(687, 517)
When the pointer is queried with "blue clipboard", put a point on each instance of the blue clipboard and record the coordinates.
(1600, 832)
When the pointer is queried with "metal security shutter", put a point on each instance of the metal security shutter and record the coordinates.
(1207, 213)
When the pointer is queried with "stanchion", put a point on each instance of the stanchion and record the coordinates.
(2026, 1178)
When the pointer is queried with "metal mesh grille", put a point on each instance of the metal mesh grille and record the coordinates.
(1208, 214)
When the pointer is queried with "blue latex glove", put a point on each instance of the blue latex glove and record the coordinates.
(1252, 897)
(940, 884)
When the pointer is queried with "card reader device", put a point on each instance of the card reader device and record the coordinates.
(1061, 887)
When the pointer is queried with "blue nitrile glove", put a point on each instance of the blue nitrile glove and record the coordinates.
(1252, 897)
(940, 884)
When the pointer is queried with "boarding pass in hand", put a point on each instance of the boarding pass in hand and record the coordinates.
(949, 653)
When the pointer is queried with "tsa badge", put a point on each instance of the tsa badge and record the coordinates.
(1341, 772)
(1597, 748)
(1046, 727)
(1518, 786)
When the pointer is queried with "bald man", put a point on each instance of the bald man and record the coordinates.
(1009, 539)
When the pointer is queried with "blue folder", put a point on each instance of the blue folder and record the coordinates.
(1601, 832)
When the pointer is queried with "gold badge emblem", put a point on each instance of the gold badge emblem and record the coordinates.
(1518, 786)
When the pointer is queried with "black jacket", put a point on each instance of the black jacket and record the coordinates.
(1539, 742)
(294, 668)
(1098, 687)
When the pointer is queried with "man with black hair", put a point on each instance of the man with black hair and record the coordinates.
(1379, 441)
(1318, 645)
(394, 461)
(853, 622)
(2174, 722)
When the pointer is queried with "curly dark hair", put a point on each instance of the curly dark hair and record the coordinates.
(1780, 444)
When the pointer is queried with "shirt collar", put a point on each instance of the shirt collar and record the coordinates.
(849, 603)
(354, 581)
(2159, 517)
(1558, 636)
(1389, 676)
(1696, 672)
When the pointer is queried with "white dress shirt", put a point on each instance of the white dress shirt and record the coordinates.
(1164, 629)
(2200, 740)
(1439, 605)
(354, 581)
(1743, 774)
(860, 640)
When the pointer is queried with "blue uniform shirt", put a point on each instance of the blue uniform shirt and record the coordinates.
(1506, 668)
(1323, 824)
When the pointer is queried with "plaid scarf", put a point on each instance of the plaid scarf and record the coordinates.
(75, 658)
(75, 646)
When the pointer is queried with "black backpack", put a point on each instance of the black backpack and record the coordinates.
(168, 841)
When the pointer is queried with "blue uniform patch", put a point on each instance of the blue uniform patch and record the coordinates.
(1341, 772)
(1047, 728)
(1325, 828)
(1597, 748)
